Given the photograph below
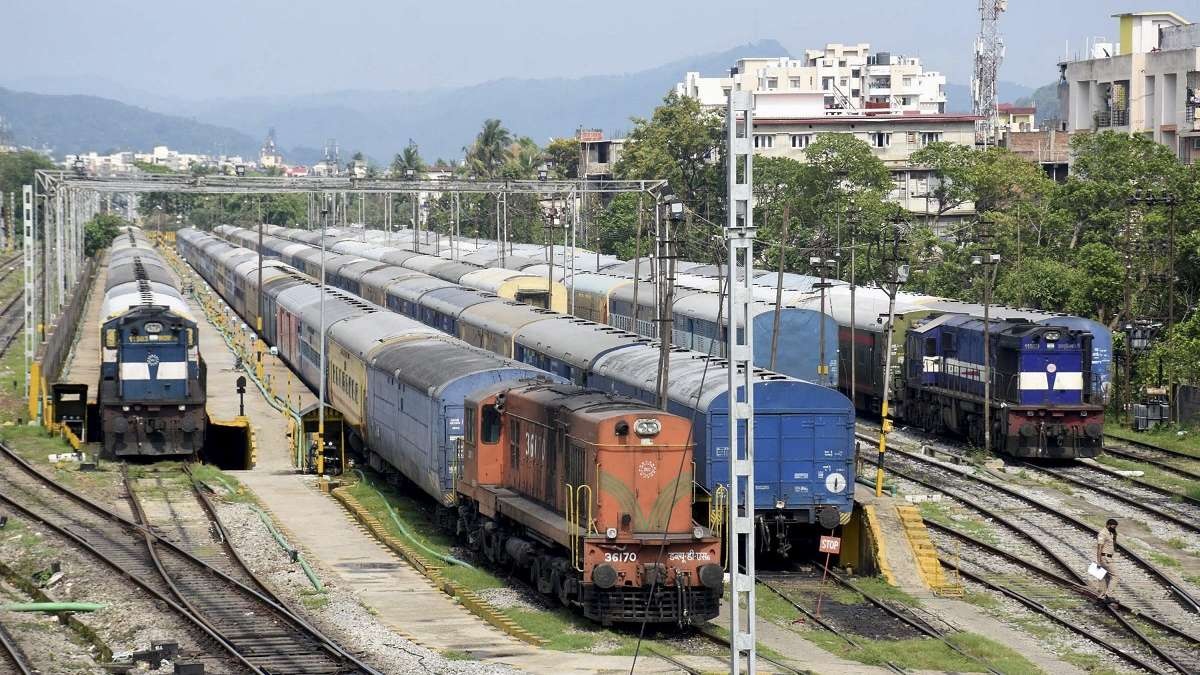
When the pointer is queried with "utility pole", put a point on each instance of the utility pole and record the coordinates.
(989, 261)
(823, 265)
(775, 321)
(854, 221)
(28, 257)
(739, 237)
(666, 264)
(897, 271)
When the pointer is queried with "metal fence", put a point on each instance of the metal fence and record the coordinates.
(58, 346)
(1188, 402)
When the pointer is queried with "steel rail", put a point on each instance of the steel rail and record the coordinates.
(1155, 462)
(1185, 598)
(1129, 500)
(87, 546)
(246, 642)
(1114, 607)
(214, 574)
(1154, 448)
(13, 654)
(1058, 559)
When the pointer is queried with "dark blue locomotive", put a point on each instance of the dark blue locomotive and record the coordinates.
(152, 377)
(1042, 403)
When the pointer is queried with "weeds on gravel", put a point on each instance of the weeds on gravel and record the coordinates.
(456, 655)
(940, 513)
(929, 654)
(1094, 664)
(1177, 543)
(313, 599)
(1151, 473)
(1166, 437)
(1164, 560)
(984, 600)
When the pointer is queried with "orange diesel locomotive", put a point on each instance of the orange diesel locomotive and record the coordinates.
(591, 495)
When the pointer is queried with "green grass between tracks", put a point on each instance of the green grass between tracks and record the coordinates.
(1166, 437)
(563, 630)
(929, 654)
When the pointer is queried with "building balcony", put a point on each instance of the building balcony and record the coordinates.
(1112, 118)
(1190, 117)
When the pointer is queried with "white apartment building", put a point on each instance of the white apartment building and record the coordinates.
(889, 102)
(838, 80)
(1148, 83)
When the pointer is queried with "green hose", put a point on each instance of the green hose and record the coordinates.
(52, 607)
(292, 552)
(404, 530)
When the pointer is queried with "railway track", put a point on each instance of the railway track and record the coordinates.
(1139, 640)
(234, 622)
(1060, 540)
(12, 321)
(1172, 461)
(11, 656)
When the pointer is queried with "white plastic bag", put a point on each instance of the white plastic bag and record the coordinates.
(1097, 572)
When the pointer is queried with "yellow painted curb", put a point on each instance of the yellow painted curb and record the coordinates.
(466, 597)
(878, 546)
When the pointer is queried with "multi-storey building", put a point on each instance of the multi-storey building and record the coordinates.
(889, 102)
(837, 80)
(1147, 83)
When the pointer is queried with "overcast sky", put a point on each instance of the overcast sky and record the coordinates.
(246, 47)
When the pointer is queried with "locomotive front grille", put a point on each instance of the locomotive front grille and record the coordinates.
(695, 604)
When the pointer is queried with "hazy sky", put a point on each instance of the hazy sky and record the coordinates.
(246, 47)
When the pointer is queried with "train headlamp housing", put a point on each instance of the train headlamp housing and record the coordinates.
(647, 427)
(698, 532)
(152, 327)
(611, 533)
(1051, 336)
(110, 338)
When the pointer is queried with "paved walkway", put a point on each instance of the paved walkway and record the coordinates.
(348, 556)
(83, 363)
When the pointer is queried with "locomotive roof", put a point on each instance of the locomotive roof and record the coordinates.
(581, 400)
(437, 360)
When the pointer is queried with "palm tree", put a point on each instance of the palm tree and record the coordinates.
(487, 154)
(409, 158)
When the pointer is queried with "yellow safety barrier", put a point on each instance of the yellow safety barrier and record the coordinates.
(35, 396)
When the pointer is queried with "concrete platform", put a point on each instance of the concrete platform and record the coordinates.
(83, 363)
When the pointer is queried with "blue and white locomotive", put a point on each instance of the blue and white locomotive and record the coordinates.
(1041, 384)
(152, 377)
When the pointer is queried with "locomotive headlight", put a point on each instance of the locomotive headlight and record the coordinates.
(647, 427)
(611, 533)
(153, 327)
(1051, 336)
(125, 408)
(698, 532)
(182, 408)
(780, 504)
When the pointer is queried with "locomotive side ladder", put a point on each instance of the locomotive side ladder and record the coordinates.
(739, 235)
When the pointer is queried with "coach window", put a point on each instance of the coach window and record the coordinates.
(489, 431)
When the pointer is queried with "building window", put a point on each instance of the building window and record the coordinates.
(880, 139)
(801, 140)
(856, 73)
(826, 83)
(928, 137)
(768, 83)
(899, 186)
(908, 80)
(794, 83)
(1196, 143)
(764, 141)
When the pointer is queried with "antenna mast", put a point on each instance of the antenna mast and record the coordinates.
(989, 52)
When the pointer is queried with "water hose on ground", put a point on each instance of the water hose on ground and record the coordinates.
(406, 532)
(52, 607)
(292, 552)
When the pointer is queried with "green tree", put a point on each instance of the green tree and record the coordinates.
(409, 158)
(487, 154)
(17, 170)
(1038, 283)
(562, 154)
(951, 166)
(1178, 352)
(678, 143)
(99, 232)
(1100, 288)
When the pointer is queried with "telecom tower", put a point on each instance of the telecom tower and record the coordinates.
(333, 157)
(989, 52)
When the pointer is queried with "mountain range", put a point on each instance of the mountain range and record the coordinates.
(379, 123)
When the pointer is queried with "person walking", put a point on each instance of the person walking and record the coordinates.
(1106, 546)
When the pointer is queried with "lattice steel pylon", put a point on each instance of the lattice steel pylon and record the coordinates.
(739, 236)
(989, 52)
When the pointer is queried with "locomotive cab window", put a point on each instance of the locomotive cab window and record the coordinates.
(930, 346)
(489, 425)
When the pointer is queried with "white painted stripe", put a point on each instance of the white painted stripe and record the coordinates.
(931, 364)
(963, 369)
(173, 370)
(135, 371)
(1068, 381)
(1033, 382)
